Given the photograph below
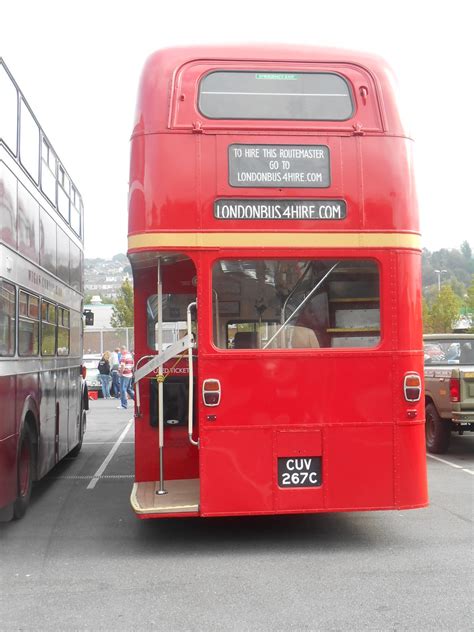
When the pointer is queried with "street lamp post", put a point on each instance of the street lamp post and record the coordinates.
(439, 273)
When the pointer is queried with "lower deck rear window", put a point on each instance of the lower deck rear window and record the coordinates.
(296, 303)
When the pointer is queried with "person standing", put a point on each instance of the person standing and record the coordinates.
(126, 374)
(114, 372)
(104, 374)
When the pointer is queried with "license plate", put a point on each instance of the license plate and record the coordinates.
(304, 471)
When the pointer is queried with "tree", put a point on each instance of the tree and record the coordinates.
(122, 311)
(458, 288)
(466, 250)
(470, 296)
(457, 264)
(444, 310)
(427, 320)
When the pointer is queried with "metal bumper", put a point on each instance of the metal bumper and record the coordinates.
(463, 417)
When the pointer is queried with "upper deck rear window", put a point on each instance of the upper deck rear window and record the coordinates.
(306, 96)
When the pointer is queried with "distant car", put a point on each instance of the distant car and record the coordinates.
(90, 361)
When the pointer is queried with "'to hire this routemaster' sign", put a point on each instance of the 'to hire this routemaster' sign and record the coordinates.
(303, 166)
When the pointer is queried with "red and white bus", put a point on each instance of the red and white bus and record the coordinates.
(41, 260)
(273, 223)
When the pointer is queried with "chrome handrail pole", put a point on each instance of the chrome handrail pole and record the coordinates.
(305, 300)
(191, 375)
(218, 325)
(159, 378)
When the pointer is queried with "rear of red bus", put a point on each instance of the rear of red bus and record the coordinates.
(273, 219)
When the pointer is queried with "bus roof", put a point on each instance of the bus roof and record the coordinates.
(277, 52)
(167, 64)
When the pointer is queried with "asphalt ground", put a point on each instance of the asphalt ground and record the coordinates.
(80, 560)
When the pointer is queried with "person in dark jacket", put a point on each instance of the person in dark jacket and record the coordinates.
(104, 375)
(114, 372)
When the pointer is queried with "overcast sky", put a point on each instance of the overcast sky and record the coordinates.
(78, 64)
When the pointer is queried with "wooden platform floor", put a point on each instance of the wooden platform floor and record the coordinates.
(182, 497)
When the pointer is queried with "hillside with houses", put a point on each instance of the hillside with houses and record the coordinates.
(103, 278)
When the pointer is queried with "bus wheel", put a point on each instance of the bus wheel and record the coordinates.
(438, 431)
(75, 451)
(25, 474)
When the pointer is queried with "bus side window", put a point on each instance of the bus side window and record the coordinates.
(9, 115)
(28, 325)
(8, 206)
(48, 329)
(7, 319)
(29, 141)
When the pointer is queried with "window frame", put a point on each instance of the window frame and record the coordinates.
(14, 133)
(47, 170)
(12, 319)
(61, 327)
(350, 95)
(367, 333)
(34, 176)
(48, 322)
(29, 319)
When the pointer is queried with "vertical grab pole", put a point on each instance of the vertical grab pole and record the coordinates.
(159, 378)
(191, 376)
(218, 325)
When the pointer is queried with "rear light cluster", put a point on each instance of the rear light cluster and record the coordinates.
(412, 387)
(211, 392)
(454, 389)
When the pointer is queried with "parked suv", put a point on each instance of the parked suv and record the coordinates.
(449, 387)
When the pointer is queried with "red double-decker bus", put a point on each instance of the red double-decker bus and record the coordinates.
(274, 239)
(42, 395)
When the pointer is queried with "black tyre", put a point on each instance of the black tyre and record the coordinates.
(25, 468)
(85, 397)
(75, 451)
(437, 430)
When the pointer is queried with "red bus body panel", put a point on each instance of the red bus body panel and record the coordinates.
(345, 405)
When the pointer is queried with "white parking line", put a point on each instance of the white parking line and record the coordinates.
(108, 458)
(80, 477)
(455, 465)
